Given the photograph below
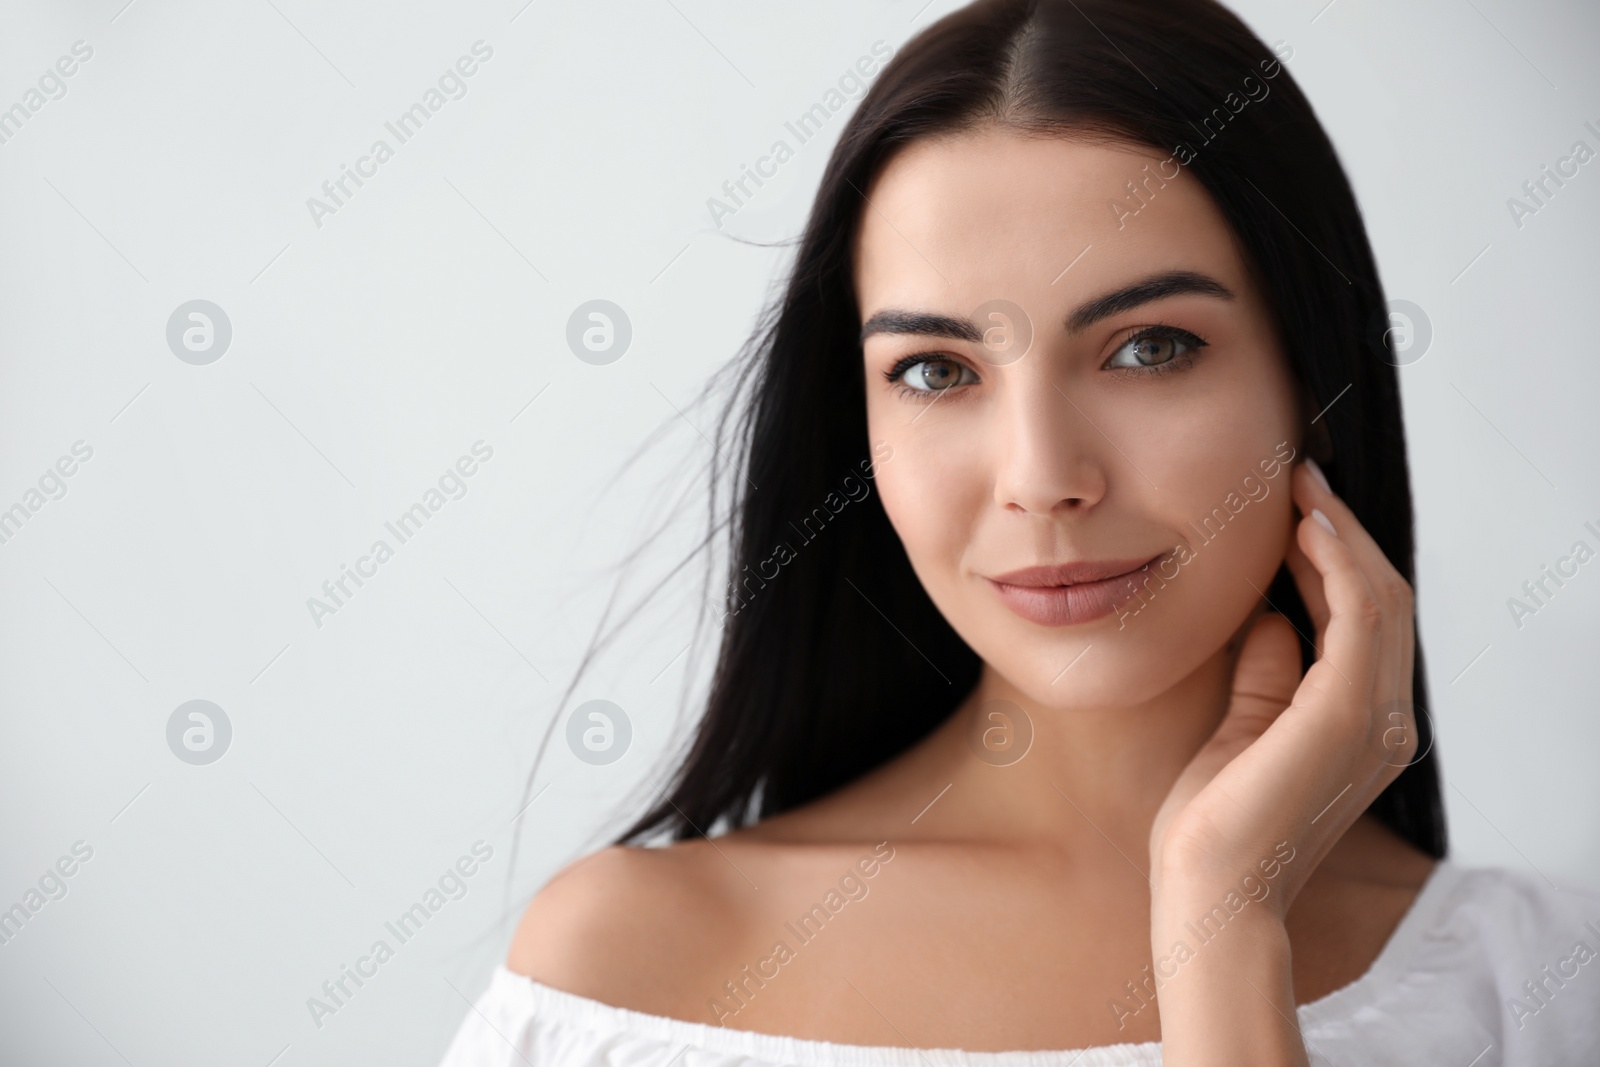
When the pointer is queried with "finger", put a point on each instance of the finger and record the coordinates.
(1265, 677)
(1371, 714)
(1266, 674)
(1347, 665)
(1394, 593)
(1309, 495)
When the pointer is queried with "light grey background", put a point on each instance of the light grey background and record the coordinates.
(430, 312)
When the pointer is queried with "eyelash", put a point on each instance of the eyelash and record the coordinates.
(1162, 331)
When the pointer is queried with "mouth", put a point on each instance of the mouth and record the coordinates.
(1070, 593)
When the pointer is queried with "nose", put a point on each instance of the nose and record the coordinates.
(1049, 455)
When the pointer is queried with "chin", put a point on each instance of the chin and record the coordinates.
(1107, 675)
(1114, 662)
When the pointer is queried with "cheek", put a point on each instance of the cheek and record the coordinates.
(1202, 480)
(1233, 525)
(934, 490)
(1239, 542)
(1193, 450)
(928, 499)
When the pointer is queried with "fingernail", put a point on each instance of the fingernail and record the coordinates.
(1322, 479)
(1323, 521)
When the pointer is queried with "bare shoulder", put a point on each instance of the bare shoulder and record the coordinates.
(661, 929)
(608, 924)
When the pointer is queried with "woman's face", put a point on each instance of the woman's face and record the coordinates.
(1077, 380)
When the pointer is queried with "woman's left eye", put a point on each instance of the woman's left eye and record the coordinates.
(1158, 348)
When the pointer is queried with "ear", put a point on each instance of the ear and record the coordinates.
(1318, 441)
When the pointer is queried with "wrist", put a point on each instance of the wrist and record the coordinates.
(1216, 930)
(1189, 886)
(1225, 988)
(1206, 924)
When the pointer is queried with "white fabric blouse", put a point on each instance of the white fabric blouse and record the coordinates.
(1488, 968)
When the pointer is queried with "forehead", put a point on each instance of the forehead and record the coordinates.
(993, 213)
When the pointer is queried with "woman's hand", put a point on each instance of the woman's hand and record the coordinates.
(1293, 764)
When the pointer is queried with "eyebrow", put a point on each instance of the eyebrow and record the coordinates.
(1155, 287)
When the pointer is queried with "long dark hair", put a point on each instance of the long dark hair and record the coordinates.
(836, 660)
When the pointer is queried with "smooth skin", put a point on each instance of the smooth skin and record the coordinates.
(1176, 751)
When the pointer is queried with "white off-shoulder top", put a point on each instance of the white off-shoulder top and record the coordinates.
(1488, 968)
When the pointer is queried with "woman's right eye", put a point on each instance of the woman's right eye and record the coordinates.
(930, 374)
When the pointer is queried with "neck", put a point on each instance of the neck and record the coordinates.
(1090, 775)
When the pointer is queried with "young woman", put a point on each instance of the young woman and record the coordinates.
(1096, 734)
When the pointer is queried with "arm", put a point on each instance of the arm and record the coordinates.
(1230, 1000)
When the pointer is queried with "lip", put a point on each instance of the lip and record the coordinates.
(1064, 594)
